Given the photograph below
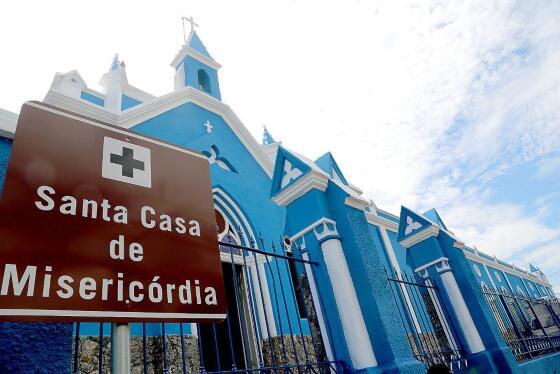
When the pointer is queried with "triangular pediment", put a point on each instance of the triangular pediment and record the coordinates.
(328, 164)
(196, 44)
(288, 169)
(411, 223)
(433, 215)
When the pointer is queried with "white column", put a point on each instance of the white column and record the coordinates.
(113, 82)
(194, 329)
(395, 265)
(179, 80)
(113, 96)
(441, 316)
(267, 301)
(460, 308)
(353, 324)
(264, 310)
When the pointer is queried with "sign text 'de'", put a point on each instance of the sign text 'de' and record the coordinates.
(101, 223)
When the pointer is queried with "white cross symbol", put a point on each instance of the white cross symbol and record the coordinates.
(291, 174)
(208, 126)
(411, 225)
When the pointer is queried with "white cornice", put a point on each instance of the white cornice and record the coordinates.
(137, 93)
(497, 265)
(310, 228)
(93, 92)
(311, 180)
(382, 222)
(357, 202)
(8, 123)
(434, 262)
(145, 111)
(188, 51)
(431, 231)
(82, 107)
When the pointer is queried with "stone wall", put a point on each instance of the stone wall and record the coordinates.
(89, 354)
(285, 354)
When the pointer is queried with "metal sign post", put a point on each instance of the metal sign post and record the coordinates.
(120, 348)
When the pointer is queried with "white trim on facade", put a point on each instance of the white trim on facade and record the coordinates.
(382, 222)
(357, 202)
(147, 110)
(188, 51)
(311, 228)
(435, 300)
(428, 232)
(431, 263)
(504, 268)
(395, 264)
(464, 317)
(309, 181)
(8, 123)
(351, 316)
(103, 126)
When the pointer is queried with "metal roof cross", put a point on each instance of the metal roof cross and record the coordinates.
(191, 21)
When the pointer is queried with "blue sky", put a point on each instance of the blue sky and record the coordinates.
(446, 104)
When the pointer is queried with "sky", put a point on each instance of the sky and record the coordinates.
(450, 105)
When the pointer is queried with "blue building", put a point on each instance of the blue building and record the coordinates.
(317, 276)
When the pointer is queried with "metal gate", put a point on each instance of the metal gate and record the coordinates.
(274, 323)
(425, 321)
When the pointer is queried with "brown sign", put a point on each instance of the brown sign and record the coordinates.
(100, 223)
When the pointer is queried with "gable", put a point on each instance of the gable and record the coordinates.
(140, 114)
(328, 164)
(435, 217)
(196, 44)
(411, 223)
(288, 168)
(192, 126)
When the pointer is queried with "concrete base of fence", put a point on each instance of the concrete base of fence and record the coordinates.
(89, 354)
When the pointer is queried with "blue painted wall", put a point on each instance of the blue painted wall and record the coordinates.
(128, 102)
(92, 98)
(192, 66)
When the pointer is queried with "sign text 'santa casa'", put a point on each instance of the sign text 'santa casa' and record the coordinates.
(99, 223)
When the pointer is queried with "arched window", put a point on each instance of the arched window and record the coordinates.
(204, 81)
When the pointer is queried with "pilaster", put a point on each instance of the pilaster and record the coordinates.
(436, 256)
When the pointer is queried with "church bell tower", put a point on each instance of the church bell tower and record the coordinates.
(194, 67)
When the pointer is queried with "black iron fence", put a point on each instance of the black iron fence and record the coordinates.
(251, 339)
(426, 321)
(530, 326)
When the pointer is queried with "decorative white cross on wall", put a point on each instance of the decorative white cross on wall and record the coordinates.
(208, 126)
(411, 225)
(290, 174)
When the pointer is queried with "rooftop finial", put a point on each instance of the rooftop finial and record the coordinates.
(267, 138)
(116, 63)
(193, 25)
